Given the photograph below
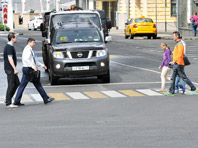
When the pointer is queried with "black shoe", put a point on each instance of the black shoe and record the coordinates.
(49, 100)
(19, 104)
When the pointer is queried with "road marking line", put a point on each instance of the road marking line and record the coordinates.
(36, 97)
(112, 56)
(26, 98)
(149, 92)
(59, 96)
(113, 94)
(95, 94)
(77, 95)
(130, 93)
(137, 67)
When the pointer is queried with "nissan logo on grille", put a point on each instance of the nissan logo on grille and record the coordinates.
(79, 54)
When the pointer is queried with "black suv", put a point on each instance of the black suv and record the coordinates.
(106, 24)
(77, 50)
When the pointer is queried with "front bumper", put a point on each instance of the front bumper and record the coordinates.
(67, 65)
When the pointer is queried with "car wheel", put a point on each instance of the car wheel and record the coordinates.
(149, 37)
(34, 27)
(52, 78)
(131, 36)
(105, 78)
(155, 37)
(126, 36)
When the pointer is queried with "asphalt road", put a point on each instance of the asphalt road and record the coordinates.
(122, 121)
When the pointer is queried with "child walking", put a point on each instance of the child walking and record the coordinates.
(164, 65)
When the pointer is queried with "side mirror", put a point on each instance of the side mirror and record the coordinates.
(109, 26)
(42, 27)
(108, 38)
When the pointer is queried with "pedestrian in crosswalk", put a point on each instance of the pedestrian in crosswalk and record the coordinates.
(178, 66)
(30, 61)
(164, 66)
(10, 63)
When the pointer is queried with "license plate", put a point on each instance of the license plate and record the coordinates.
(76, 68)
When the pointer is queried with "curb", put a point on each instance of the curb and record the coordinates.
(5, 34)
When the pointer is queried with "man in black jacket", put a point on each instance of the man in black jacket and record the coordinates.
(10, 63)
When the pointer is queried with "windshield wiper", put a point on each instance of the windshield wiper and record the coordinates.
(64, 42)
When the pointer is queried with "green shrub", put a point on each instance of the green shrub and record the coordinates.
(2, 28)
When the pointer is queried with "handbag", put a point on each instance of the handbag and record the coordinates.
(186, 61)
(34, 76)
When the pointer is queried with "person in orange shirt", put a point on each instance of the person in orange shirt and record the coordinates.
(178, 66)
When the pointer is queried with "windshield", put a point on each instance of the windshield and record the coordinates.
(139, 20)
(76, 17)
(83, 35)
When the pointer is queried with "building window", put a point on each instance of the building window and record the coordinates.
(173, 8)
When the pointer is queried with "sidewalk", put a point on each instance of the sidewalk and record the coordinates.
(160, 35)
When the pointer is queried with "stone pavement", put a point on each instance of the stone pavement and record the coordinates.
(160, 35)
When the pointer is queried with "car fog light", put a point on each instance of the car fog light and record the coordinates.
(58, 66)
(102, 64)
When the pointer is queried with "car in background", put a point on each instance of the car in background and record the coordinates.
(140, 26)
(106, 24)
(35, 23)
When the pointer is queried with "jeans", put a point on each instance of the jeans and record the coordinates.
(179, 83)
(179, 70)
(13, 83)
(194, 28)
(24, 82)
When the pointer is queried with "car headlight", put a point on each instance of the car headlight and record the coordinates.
(58, 55)
(101, 53)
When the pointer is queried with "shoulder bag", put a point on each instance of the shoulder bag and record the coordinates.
(186, 61)
(34, 76)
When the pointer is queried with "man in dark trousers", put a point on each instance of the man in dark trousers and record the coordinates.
(30, 62)
(10, 62)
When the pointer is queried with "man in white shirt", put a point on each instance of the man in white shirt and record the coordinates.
(30, 61)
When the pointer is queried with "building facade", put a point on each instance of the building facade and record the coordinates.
(163, 12)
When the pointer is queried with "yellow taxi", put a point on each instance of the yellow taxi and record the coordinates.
(140, 26)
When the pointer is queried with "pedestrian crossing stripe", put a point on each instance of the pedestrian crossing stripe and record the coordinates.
(59, 96)
(26, 98)
(130, 93)
(113, 94)
(36, 97)
(94, 95)
(77, 95)
(149, 92)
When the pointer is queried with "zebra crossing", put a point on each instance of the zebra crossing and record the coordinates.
(108, 94)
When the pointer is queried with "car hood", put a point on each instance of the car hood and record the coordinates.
(79, 46)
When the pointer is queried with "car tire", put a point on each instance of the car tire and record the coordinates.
(105, 78)
(155, 37)
(131, 36)
(126, 36)
(53, 80)
(149, 37)
(34, 27)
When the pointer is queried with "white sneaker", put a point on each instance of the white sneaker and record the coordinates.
(12, 106)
